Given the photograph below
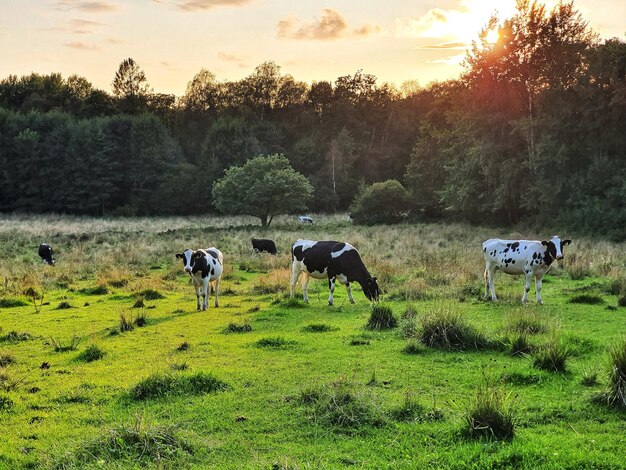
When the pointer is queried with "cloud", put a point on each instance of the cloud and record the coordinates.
(329, 27)
(87, 6)
(81, 46)
(77, 26)
(241, 61)
(458, 45)
(202, 5)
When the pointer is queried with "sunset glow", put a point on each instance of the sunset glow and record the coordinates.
(173, 39)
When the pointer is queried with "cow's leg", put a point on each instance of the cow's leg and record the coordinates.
(216, 288)
(295, 273)
(538, 282)
(198, 292)
(486, 277)
(491, 272)
(331, 288)
(349, 289)
(529, 277)
(206, 292)
(305, 287)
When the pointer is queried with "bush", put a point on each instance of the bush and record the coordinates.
(8, 302)
(447, 329)
(519, 345)
(163, 385)
(318, 328)
(98, 290)
(275, 342)
(381, 318)
(385, 202)
(92, 353)
(64, 306)
(150, 294)
(490, 414)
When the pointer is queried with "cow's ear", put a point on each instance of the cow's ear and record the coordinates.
(179, 255)
(567, 242)
(198, 254)
(545, 243)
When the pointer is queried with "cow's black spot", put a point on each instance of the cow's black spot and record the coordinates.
(514, 245)
(297, 253)
(508, 245)
(513, 261)
(506, 249)
(214, 254)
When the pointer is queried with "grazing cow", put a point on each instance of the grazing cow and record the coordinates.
(45, 253)
(305, 219)
(527, 257)
(336, 261)
(205, 268)
(260, 245)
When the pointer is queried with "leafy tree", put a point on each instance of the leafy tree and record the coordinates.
(385, 202)
(263, 187)
(130, 87)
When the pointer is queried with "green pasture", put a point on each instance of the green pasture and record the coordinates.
(268, 355)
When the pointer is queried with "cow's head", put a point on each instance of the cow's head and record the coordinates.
(188, 259)
(555, 246)
(371, 289)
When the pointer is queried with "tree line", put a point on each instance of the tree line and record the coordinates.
(534, 129)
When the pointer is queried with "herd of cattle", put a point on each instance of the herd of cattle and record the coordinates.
(341, 262)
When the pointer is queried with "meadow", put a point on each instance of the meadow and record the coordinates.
(105, 362)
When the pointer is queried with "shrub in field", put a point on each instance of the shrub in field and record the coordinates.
(126, 322)
(408, 327)
(615, 393)
(490, 414)
(237, 328)
(9, 302)
(341, 406)
(150, 294)
(552, 356)
(293, 302)
(589, 299)
(622, 301)
(138, 444)
(447, 329)
(381, 318)
(384, 202)
(275, 342)
(617, 286)
(91, 353)
(70, 345)
(7, 381)
(410, 410)
(589, 378)
(162, 385)
(184, 346)
(318, 328)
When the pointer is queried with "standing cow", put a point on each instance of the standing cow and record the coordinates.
(260, 245)
(205, 268)
(336, 261)
(45, 253)
(527, 257)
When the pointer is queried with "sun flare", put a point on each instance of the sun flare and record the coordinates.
(492, 36)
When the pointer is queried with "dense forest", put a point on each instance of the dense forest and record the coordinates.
(533, 130)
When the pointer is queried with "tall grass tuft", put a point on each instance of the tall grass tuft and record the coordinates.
(275, 342)
(237, 328)
(519, 345)
(6, 359)
(553, 356)
(527, 323)
(381, 318)
(138, 444)
(61, 346)
(91, 353)
(490, 414)
(615, 393)
(445, 328)
(341, 406)
(589, 299)
(163, 385)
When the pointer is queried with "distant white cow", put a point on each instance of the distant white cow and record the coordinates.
(205, 268)
(527, 257)
(305, 219)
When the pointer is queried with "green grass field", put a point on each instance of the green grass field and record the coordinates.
(264, 382)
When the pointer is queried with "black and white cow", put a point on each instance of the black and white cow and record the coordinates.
(45, 253)
(305, 219)
(336, 261)
(205, 268)
(527, 257)
(260, 245)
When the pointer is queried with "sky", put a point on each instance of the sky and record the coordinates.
(312, 40)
